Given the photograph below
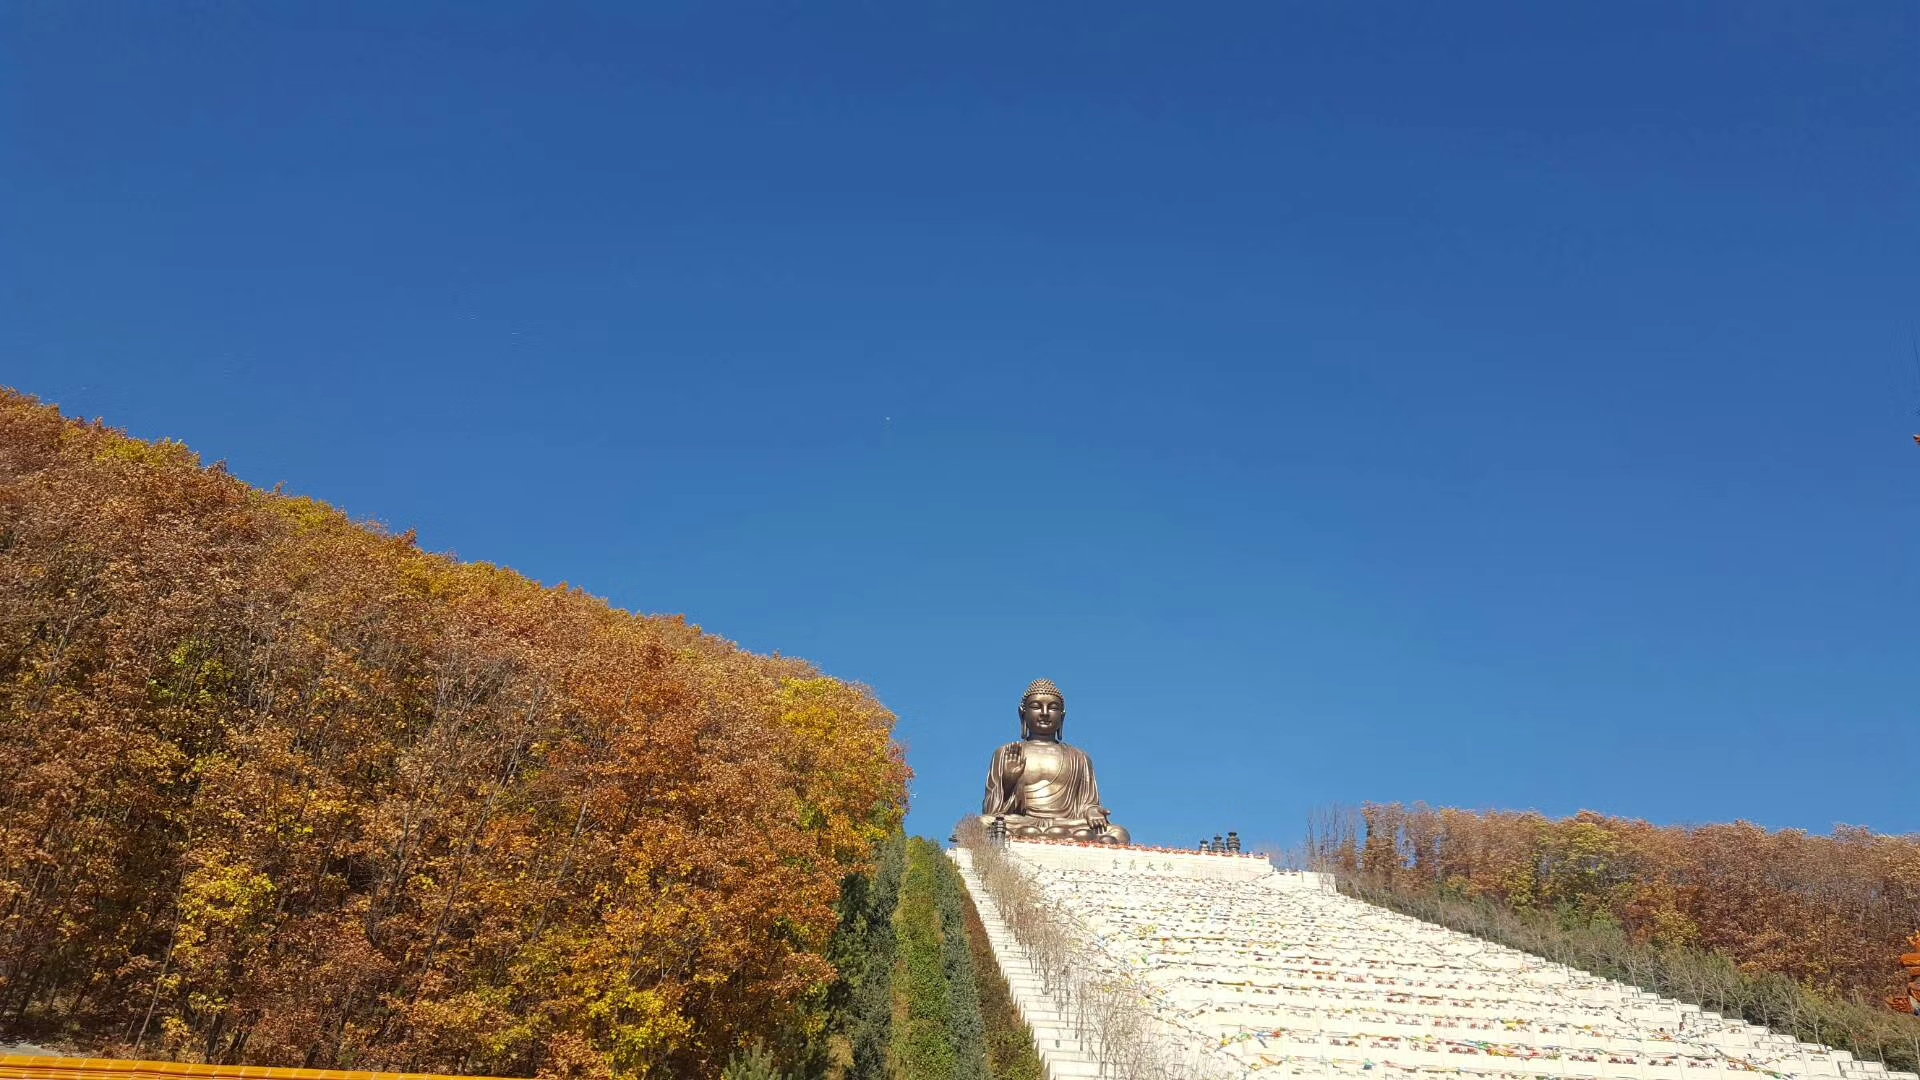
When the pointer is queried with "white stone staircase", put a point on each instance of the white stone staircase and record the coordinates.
(1283, 977)
(1063, 1052)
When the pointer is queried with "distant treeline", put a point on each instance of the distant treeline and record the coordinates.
(1828, 914)
(280, 788)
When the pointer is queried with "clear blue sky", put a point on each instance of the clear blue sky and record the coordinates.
(1497, 405)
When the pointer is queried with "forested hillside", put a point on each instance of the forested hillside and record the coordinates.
(281, 788)
(1830, 911)
(1797, 930)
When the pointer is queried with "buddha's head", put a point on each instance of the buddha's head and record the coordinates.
(1043, 711)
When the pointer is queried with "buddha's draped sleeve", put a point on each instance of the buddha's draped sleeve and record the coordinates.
(1087, 788)
(1002, 797)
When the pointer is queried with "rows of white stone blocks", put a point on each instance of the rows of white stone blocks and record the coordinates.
(1294, 979)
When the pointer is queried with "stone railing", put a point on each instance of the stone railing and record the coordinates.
(1109, 1007)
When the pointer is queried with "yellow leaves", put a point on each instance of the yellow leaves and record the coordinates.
(222, 895)
(175, 1033)
(637, 1030)
(831, 724)
(219, 906)
(809, 709)
(1657, 912)
(484, 1018)
(111, 446)
(303, 514)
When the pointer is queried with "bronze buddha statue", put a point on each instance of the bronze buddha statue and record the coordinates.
(1040, 786)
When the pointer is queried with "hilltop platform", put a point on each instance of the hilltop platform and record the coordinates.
(1153, 862)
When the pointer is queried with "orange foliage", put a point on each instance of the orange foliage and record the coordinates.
(1831, 912)
(279, 788)
(1909, 1001)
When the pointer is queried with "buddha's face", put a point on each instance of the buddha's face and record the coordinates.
(1042, 715)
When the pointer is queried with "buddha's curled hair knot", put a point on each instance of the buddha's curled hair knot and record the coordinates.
(1042, 686)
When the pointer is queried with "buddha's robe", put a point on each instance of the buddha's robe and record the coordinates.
(1054, 791)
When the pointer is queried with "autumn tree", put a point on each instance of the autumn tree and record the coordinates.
(1831, 912)
(277, 787)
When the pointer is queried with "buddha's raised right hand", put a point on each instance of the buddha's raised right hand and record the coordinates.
(1013, 761)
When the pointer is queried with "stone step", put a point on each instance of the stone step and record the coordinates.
(1065, 1056)
(1334, 988)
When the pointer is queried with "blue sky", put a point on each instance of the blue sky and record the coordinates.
(1497, 405)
